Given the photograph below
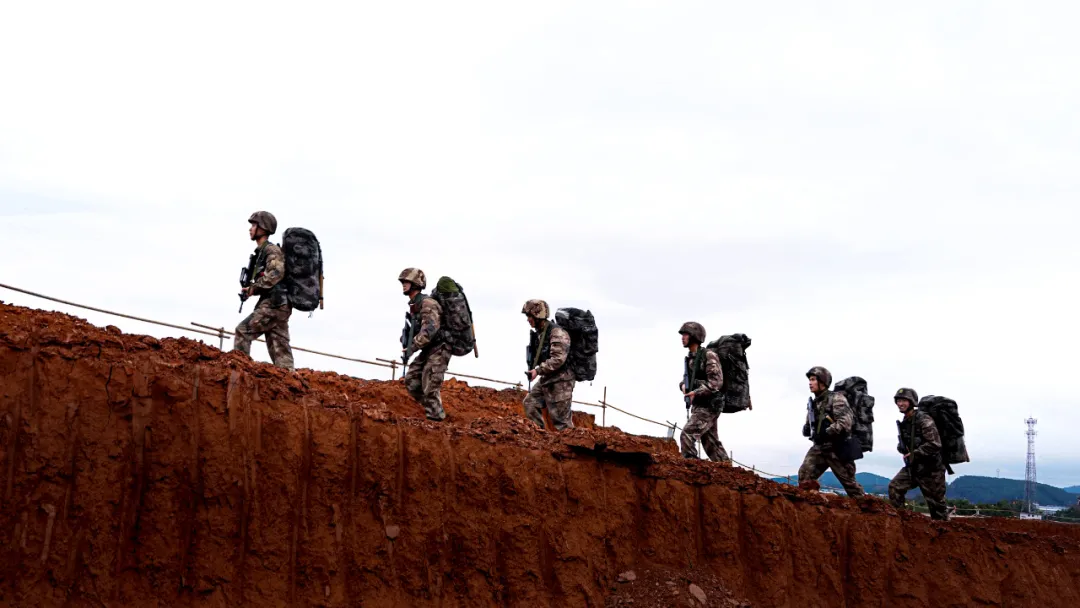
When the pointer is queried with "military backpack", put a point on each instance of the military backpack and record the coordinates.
(731, 350)
(862, 406)
(456, 324)
(584, 341)
(303, 269)
(946, 415)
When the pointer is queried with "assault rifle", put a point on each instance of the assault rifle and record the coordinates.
(528, 362)
(247, 278)
(903, 445)
(811, 417)
(407, 335)
(686, 386)
(688, 400)
(531, 356)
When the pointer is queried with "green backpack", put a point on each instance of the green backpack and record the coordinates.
(456, 324)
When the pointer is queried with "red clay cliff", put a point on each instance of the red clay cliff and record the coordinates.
(139, 472)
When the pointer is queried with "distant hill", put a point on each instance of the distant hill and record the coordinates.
(873, 484)
(979, 489)
(1072, 489)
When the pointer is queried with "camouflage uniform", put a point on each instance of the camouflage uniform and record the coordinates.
(822, 455)
(425, 376)
(554, 388)
(706, 410)
(272, 312)
(925, 468)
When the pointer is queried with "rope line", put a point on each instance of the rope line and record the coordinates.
(222, 332)
(108, 312)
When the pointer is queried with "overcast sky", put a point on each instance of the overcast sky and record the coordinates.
(888, 191)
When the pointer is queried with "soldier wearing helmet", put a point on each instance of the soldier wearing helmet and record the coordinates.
(425, 375)
(549, 348)
(272, 312)
(920, 444)
(701, 386)
(829, 421)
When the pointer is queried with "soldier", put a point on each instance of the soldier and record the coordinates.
(425, 376)
(706, 378)
(830, 426)
(272, 312)
(549, 347)
(921, 446)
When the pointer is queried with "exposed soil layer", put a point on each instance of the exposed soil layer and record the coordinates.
(675, 589)
(167, 473)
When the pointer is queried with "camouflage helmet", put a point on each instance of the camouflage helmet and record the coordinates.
(909, 394)
(264, 220)
(696, 331)
(822, 374)
(536, 308)
(414, 276)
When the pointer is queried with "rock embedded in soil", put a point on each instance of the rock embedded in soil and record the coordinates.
(698, 594)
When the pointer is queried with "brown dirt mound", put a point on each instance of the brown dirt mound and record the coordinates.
(146, 472)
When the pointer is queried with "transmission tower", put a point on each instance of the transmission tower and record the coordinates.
(1030, 485)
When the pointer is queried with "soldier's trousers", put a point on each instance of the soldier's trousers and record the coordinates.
(556, 397)
(425, 377)
(820, 458)
(274, 324)
(702, 425)
(932, 485)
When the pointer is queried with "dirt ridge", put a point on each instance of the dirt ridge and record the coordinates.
(165, 472)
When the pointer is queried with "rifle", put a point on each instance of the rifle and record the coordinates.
(247, 277)
(686, 386)
(812, 421)
(407, 335)
(903, 445)
(528, 361)
(688, 400)
(532, 357)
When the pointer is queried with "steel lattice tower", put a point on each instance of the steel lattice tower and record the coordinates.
(1030, 485)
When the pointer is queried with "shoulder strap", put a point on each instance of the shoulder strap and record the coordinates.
(461, 290)
(914, 429)
(260, 256)
(420, 297)
(697, 365)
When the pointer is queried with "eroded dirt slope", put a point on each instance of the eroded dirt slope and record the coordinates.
(166, 473)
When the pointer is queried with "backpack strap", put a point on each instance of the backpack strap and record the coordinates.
(417, 303)
(699, 358)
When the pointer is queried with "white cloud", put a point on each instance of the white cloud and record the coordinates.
(887, 191)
